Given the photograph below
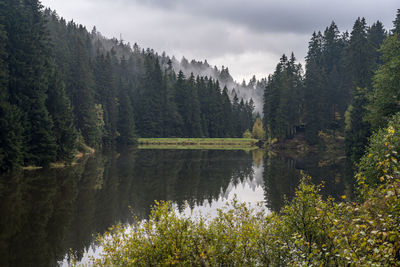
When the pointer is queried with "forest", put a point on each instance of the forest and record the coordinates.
(349, 90)
(65, 88)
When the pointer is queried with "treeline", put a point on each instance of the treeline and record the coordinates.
(350, 86)
(64, 88)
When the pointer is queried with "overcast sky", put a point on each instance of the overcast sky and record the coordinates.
(248, 36)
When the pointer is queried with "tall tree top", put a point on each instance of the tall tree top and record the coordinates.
(376, 34)
(396, 23)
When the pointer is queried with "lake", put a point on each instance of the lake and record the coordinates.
(45, 214)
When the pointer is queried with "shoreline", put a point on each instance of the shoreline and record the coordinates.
(197, 143)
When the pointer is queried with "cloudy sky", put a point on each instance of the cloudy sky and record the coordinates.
(248, 36)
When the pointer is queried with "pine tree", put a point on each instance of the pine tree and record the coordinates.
(376, 36)
(357, 128)
(106, 95)
(194, 106)
(80, 87)
(237, 129)
(313, 97)
(386, 93)
(11, 156)
(335, 96)
(361, 55)
(28, 64)
(396, 24)
(181, 100)
(61, 113)
(126, 124)
(227, 114)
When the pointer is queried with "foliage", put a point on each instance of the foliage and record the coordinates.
(247, 134)
(381, 160)
(282, 99)
(309, 231)
(386, 93)
(258, 131)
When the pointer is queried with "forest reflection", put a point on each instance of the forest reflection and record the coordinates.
(45, 213)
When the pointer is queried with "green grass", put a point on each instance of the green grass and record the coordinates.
(197, 143)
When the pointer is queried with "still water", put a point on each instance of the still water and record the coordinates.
(46, 214)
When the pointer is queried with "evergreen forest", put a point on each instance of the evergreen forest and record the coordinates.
(65, 89)
(349, 90)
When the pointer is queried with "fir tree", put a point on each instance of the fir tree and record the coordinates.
(61, 113)
(106, 95)
(126, 124)
(386, 93)
(28, 64)
(396, 23)
(313, 97)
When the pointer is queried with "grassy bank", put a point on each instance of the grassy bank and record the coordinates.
(197, 143)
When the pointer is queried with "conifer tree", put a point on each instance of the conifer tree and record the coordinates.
(386, 93)
(396, 23)
(313, 97)
(61, 113)
(227, 114)
(194, 127)
(106, 95)
(126, 124)
(28, 64)
(11, 156)
(80, 86)
(361, 55)
(376, 35)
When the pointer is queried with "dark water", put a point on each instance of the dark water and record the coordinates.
(46, 213)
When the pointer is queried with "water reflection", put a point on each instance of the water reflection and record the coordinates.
(282, 175)
(45, 213)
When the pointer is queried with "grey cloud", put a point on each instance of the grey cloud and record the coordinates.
(247, 36)
(291, 16)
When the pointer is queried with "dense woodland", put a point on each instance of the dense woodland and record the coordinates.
(63, 88)
(350, 87)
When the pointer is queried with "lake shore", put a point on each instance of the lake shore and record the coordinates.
(198, 143)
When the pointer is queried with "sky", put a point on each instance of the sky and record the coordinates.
(247, 36)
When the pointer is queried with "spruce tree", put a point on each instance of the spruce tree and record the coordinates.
(376, 36)
(227, 114)
(28, 63)
(126, 124)
(194, 109)
(61, 113)
(106, 95)
(11, 156)
(361, 65)
(181, 100)
(396, 23)
(80, 86)
(386, 93)
(313, 97)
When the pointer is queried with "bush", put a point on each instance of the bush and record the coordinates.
(247, 134)
(382, 158)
